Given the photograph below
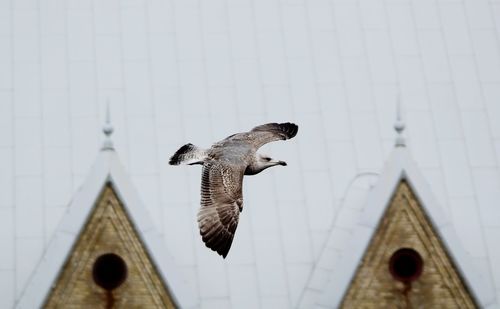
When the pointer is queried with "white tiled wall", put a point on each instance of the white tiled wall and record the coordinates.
(196, 71)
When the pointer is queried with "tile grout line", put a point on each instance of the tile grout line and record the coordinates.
(466, 154)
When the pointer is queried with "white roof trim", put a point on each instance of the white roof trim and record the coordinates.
(399, 166)
(107, 168)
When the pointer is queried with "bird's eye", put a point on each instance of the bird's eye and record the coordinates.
(267, 159)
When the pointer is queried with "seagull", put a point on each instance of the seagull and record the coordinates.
(224, 166)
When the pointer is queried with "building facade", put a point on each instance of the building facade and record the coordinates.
(179, 71)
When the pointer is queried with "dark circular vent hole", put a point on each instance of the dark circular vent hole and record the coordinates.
(406, 265)
(109, 271)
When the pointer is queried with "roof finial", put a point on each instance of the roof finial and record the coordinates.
(107, 129)
(399, 125)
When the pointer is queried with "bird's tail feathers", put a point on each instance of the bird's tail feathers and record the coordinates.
(188, 154)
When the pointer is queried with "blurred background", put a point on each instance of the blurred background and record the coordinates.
(179, 71)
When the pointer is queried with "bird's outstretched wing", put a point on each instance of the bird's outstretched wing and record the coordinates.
(221, 204)
(272, 132)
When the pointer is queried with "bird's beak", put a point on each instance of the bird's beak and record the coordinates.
(283, 163)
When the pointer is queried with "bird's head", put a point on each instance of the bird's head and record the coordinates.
(267, 161)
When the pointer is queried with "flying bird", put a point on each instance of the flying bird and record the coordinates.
(224, 166)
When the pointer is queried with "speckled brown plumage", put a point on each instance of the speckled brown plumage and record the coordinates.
(224, 166)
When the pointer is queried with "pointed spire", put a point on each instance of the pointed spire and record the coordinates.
(399, 125)
(107, 129)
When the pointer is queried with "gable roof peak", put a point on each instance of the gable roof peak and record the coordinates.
(344, 251)
(107, 171)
